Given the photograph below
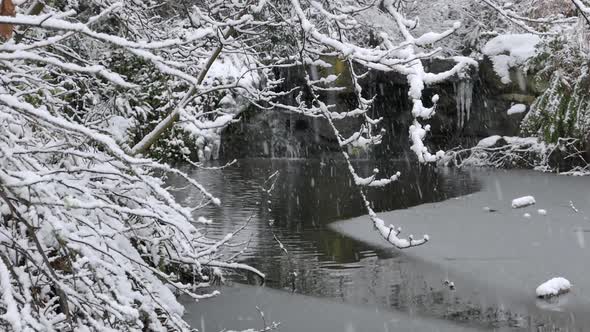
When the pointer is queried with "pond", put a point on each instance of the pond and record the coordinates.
(339, 275)
(309, 195)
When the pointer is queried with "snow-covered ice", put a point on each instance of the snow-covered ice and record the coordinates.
(495, 257)
(554, 287)
(298, 312)
(523, 201)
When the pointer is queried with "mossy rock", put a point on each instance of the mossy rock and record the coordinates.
(340, 68)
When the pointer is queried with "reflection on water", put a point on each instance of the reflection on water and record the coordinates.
(307, 196)
(299, 313)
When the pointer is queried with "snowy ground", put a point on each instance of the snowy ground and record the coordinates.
(494, 254)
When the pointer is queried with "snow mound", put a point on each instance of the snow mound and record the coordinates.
(527, 215)
(542, 212)
(523, 201)
(512, 140)
(508, 51)
(516, 109)
(489, 141)
(532, 141)
(554, 287)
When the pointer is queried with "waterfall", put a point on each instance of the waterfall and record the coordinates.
(464, 97)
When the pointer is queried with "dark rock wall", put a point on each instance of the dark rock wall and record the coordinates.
(469, 108)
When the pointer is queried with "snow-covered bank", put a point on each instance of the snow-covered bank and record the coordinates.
(500, 256)
(564, 157)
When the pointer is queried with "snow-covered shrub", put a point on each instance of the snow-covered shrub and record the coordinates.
(522, 152)
(548, 41)
(111, 247)
(554, 53)
(563, 109)
(89, 238)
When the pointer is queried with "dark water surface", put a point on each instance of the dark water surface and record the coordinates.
(308, 195)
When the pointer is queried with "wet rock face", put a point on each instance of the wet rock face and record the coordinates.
(521, 83)
(277, 134)
(282, 134)
(470, 108)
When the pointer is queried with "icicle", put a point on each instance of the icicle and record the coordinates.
(464, 97)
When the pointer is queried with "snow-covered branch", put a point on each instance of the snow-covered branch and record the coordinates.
(89, 236)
